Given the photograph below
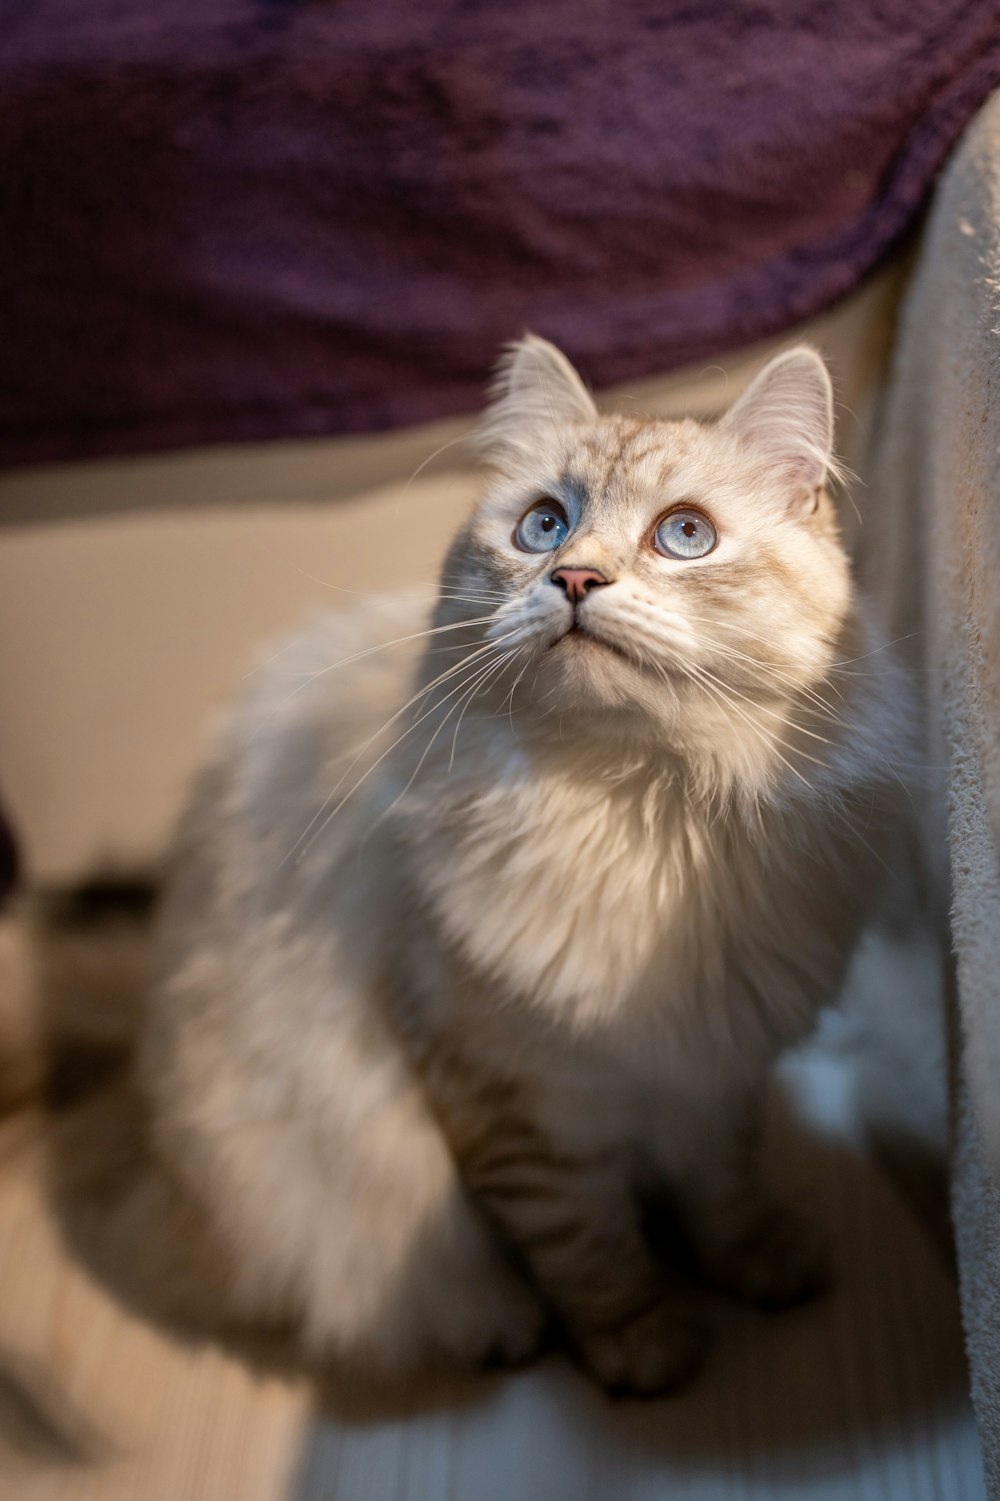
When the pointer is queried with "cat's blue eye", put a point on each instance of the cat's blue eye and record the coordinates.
(542, 528)
(685, 533)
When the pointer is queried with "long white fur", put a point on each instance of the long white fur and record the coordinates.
(653, 883)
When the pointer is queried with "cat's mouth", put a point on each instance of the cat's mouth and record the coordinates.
(578, 637)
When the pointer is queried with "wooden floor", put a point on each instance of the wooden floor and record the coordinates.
(860, 1395)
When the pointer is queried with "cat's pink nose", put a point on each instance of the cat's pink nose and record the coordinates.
(576, 582)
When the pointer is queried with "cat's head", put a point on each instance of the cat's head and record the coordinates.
(683, 580)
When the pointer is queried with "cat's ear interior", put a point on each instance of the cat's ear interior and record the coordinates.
(786, 414)
(534, 390)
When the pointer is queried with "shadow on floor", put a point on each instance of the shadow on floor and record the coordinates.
(874, 1369)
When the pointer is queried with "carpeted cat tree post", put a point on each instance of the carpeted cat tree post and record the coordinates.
(934, 556)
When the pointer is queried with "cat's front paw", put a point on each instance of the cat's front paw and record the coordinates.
(778, 1261)
(657, 1351)
(522, 1332)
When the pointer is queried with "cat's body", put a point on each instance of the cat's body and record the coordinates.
(433, 1012)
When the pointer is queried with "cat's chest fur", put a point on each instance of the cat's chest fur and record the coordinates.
(590, 896)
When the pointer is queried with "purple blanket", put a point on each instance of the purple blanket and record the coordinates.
(233, 219)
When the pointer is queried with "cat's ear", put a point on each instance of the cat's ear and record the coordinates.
(534, 390)
(786, 414)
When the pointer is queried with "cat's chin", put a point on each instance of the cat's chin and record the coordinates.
(583, 644)
(583, 670)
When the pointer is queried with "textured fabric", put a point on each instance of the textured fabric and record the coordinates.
(939, 488)
(249, 218)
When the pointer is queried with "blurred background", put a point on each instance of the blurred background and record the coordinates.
(258, 258)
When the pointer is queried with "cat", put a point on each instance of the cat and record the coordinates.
(479, 937)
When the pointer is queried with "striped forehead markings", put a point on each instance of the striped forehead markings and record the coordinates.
(617, 458)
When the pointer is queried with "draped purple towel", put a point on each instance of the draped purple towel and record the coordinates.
(246, 219)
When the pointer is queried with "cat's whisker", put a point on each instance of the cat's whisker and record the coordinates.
(765, 668)
(508, 702)
(422, 693)
(469, 599)
(773, 713)
(728, 689)
(479, 675)
(883, 646)
(814, 703)
(480, 683)
(263, 662)
(364, 777)
(433, 585)
(641, 623)
(370, 651)
(463, 586)
(837, 719)
(467, 592)
(765, 672)
(451, 592)
(718, 690)
(792, 690)
(723, 622)
(437, 651)
(452, 443)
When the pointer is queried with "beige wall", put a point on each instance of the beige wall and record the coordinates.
(135, 594)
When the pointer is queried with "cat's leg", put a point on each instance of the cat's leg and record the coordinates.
(576, 1223)
(748, 1243)
(330, 1191)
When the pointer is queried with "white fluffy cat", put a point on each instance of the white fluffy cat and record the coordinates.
(474, 942)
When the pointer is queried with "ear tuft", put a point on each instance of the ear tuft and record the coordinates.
(786, 414)
(534, 390)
